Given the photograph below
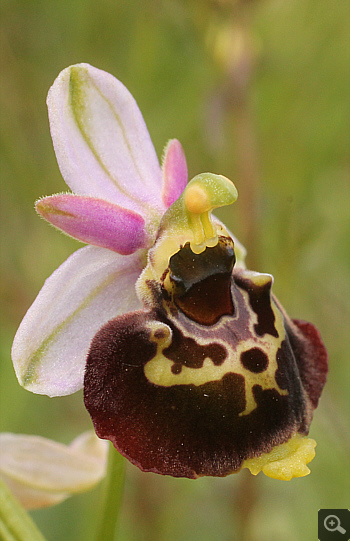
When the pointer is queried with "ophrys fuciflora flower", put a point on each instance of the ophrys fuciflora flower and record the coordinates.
(190, 365)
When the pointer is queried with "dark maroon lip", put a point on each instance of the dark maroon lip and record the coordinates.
(267, 372)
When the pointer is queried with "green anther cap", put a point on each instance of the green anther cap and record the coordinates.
(204, 193)
(188, 220)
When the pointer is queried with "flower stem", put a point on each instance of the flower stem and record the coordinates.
(15, 522)
(247, 495)
(113, 493)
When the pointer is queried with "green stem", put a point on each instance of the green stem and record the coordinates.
(113, 493)
(246, 497)
(15, 523)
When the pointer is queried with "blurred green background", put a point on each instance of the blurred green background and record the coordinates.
(257, 91)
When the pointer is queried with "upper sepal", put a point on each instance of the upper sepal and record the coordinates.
(101, 141)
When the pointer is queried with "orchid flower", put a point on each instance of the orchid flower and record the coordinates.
(189, 364)
(41, 472)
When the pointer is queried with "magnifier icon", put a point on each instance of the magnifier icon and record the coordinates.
(332, 524)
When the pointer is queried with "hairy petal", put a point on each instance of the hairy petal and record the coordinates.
(101, 141)
(175, 174)
(52, 342)
(41, 472)
(95, 221)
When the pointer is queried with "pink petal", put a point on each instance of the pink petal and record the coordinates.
(50, 348)
(95, 221)
(175, 173)
(101, 141)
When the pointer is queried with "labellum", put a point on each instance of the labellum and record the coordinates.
(212, 375)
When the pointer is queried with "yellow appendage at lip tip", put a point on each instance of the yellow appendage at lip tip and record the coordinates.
(285, 461)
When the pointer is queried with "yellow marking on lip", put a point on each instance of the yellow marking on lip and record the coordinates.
(159, 369)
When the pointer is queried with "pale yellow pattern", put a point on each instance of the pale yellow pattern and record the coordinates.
(158, 370)
(188, 220)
